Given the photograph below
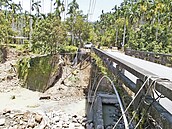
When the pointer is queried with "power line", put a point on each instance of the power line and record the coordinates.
(65, 6)
(91, 9)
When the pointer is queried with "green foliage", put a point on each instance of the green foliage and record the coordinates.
(100, 64)
(22, 68)
(78, 28)
(46, 32)
(5, 29)
(140, 25)
(19, 47)
(36, 72)
(48, 35)
(67, 49)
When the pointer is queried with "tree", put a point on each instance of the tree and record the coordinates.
(48, 35)
(59, 8)
(72, 9)
(142, 24)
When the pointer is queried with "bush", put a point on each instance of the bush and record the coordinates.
(67, 49)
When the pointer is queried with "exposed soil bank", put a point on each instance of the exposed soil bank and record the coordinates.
(66, 101)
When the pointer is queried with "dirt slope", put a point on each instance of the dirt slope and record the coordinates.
(66, 100)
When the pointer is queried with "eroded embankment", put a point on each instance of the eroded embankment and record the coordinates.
(61, 106)
(39, 73)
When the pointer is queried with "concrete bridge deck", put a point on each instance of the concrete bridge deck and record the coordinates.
(156, 69)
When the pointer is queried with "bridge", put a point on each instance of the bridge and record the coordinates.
(149, 82)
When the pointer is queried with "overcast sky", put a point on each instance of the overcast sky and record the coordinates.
(96, 8)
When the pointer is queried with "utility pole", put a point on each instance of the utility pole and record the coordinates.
(30, 34)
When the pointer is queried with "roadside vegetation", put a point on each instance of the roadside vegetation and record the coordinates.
(140, 25)
(44, 33)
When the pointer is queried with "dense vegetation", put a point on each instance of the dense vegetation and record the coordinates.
(45, 33)
(137, 24)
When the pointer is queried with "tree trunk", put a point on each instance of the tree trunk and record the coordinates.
(156, 33)
(72, 34)
(123, 41)
(30, 23)
(72, 38)
(81, 43)
(30, 34)
(116, 39)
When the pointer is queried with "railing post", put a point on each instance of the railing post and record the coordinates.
(163, 59)
(139, 83)
(119, 70)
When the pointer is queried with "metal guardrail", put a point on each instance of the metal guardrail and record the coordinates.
(163, 59)
(157, 111)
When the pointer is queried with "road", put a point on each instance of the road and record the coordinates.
(157, 69)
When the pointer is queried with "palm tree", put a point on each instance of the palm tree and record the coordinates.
(73, 6)
(72, 9)
(59, 8)
(33, 19)
(36, 6)
(13, 8)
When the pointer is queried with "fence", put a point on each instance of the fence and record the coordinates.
(164, 59)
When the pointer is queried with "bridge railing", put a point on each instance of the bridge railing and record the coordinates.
(163, 86)
(164, 59)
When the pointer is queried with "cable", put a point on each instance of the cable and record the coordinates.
(119, 100)
(131, 101)
(151, 87)
(143, 98)
(65, 6)
(92, 9)
(92, 86)
(89, 9)
(147, 111)
(42, 6)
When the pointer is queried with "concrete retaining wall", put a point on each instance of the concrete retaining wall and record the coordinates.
(39, 73)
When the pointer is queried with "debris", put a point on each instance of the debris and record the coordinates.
(32, 125)
(9, 77)
(2, 121)
(44, 97)
(38, 118)
(13, 97)
(5, 111)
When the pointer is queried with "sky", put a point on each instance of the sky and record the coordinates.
(96, 7)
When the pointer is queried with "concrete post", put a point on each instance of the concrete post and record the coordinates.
(139, 83)
(119, 70)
